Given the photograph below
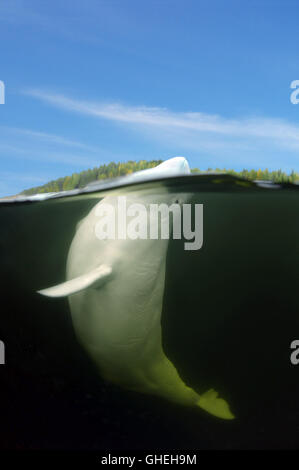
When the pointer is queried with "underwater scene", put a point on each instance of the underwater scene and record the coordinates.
(135, 342)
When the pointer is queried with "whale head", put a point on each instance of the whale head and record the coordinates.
(177, 166)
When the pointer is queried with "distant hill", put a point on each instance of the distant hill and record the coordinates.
(113, 170)
(79, 180)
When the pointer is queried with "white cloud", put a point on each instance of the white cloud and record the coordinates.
(39, 146)
(194, 128)
(51, 138)
(40, 155)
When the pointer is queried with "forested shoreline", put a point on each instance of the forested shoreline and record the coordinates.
(114, 170)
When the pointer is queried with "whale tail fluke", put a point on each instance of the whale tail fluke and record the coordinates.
(168, 383)
(216, 406)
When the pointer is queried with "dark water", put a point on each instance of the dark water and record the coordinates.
(231, 310)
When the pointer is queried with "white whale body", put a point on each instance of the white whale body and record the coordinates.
(115, 290)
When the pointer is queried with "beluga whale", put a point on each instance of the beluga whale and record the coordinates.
(115, 288)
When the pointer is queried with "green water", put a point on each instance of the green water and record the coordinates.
(230, 312)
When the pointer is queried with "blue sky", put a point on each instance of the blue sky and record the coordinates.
(88, 82)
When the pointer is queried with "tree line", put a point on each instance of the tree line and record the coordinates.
(113, 170)
(81, 179)
(277, 176)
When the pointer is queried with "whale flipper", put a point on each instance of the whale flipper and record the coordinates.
(93, 278)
